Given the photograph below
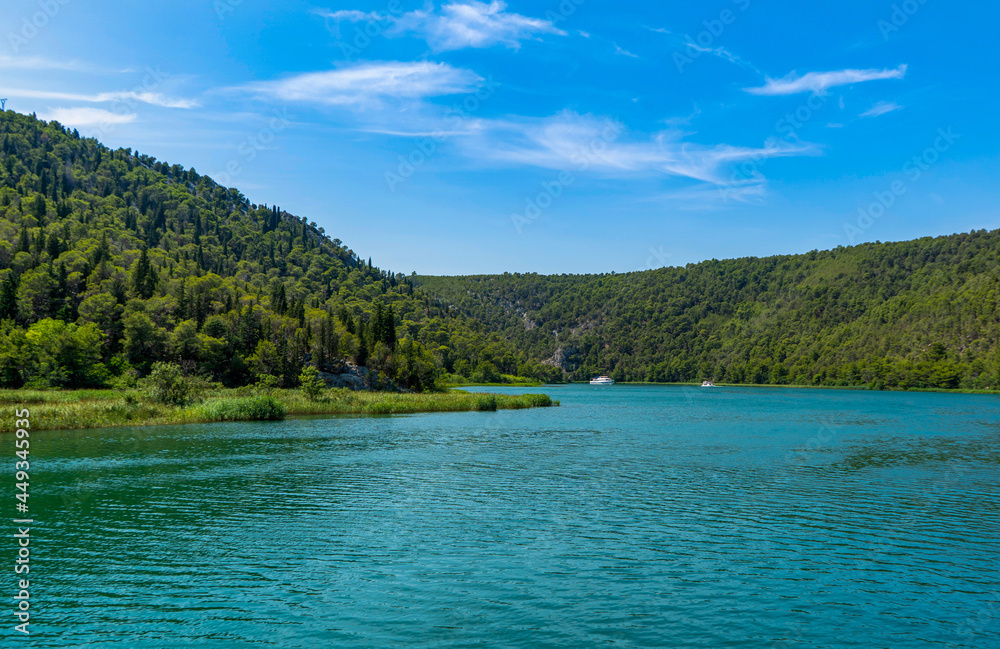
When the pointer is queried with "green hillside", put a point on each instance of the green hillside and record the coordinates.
(918, 314)
(113, 260)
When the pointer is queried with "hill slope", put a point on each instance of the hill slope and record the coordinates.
(922, 313)
(112, 260)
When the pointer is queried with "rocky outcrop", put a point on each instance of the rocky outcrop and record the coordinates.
(354, 377)
(344, 380)
(562, 359)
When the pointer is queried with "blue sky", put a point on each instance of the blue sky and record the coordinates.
(561, 136)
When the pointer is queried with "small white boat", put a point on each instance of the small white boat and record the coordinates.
(602, 380)
(708, 384)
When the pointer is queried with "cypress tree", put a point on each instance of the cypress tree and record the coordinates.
(61, 304)
(389, 328)
(40, 209)
(53, 247)
(8, 296)
(144, 278)
(282, 300)
(24, 241)
(182, 304)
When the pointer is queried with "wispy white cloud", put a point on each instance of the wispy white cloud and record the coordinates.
(459, 25)
(350, 15)
(126, 96)
(623, 52)
(570, 140)
(709, 196)
(686, 42)
(442, 134)
(881, 108)
(820, 82)
(724, 54)
(8, 62)
(87, 117)
(370, 84)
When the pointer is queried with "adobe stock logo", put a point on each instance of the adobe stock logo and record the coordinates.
(31, 27)
(901, 14)
(915, 168)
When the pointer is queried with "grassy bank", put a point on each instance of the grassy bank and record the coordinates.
(69, 409)
(503, 381)
(523, 384)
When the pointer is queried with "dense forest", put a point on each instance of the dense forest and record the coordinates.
(111, 260)
(918, 314)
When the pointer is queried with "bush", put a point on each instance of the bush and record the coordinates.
(312, 384)
(266, 384)
(167, 384)
(485, 403)
(262, 408)
(486, 372)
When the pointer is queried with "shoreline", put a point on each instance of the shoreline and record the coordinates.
(520, 384)
(859, 388)
(91, 409)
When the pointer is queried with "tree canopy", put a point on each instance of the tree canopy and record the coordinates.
(133, 261)
(916, 314)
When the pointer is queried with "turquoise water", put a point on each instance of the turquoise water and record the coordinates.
(629, 517)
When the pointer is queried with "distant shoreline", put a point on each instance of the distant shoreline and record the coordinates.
(860, 388)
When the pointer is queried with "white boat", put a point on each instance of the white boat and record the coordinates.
(602, 380)
(708, 384)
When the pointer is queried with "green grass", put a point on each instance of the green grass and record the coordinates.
(346, 402)
(260, 408)
(73, 409)
(507, 381)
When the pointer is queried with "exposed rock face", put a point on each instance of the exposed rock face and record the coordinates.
(349, 375)
(561, 359)
(345, 380)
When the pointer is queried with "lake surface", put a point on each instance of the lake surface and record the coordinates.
(632, 516)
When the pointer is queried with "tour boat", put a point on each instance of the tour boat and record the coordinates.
(708, 384)
(602, 380)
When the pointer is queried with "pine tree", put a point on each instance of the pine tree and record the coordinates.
(8, 296)
(53, 247)
(144, 278)
(182, 303)
(39, 242)
(61, 307)
(389, 328)
(40, 209)
(197, 228)
(24, 240)
(103, 251)
(282, 301)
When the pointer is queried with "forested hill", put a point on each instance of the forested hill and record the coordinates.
(921, 313)
(113, 260)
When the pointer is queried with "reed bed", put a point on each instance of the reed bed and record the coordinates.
(346, 402)
(77, 409)
(259, 408)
